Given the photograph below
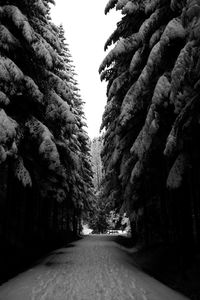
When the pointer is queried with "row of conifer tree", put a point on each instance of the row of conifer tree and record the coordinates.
(45, 173)
(151, 151)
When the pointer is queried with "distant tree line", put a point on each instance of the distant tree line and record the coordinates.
(96, 217)
(45, 171)
(96, 147)
(151, 149)
(103, 215)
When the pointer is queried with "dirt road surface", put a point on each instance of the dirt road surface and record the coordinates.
(93, 268)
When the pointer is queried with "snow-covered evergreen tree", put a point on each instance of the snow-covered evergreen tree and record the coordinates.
(151, 117)
(81, 183)
(43, 146)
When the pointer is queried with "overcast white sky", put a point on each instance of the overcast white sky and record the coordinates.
(87, 29)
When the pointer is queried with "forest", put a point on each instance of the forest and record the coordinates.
(146, 163)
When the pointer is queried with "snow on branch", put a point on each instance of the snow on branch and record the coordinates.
(120, 31)
(131, 8)
(57, 109)
(65, 74)
(7, 135)
(19, 20)
(38, 130)
(152, 5)
(43, 51)
(46, 146)
(15, 82)
(191, 18)
(52, 1)
(182, 123)
(59, 86)
(4, 100)
(174, 30)
(111, 4)
(143, 142)
(31, 89)
(133, 42)
(123, 46)
(133, 102)
(151, 24)
(106, 74)
(162, 92)
(112, 39)
(118, 83)
(40, 7)
(121, 4)
(7, 40)
(136, 61)
(156, 36)
(48, 151)
(178, 75)
(9, 70)
(21, 172)
(46, 32)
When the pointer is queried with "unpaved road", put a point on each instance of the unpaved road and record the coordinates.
(93, 268)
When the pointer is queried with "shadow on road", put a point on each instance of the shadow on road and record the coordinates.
(14, 261)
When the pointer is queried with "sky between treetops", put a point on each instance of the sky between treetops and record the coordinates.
(86, 30)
